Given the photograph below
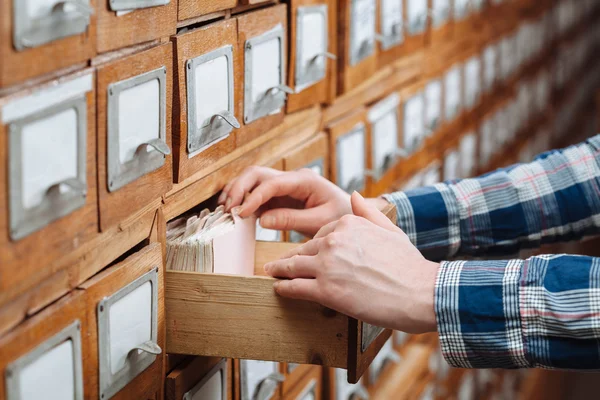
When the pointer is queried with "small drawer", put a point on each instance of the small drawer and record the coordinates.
(200, 378)
(490, 68)
(415, 23)
(295, 374)
(313, 53)
(412, 118)
(48, 157)
(442, 21)
(467, 148)
(43, 358)
(385, 147)
(262, 36)
(125, 312)
(390, 35)
(472, 79)
(134, 133)
(434, 104)
(206, 313)
(386, 359)
(258, 380)
(357, 49)
(191, 9)
(36, 31)
(123, 23)
(314, 155)
(348, 141)
(453, 93)
(207, 111)
(309, 388)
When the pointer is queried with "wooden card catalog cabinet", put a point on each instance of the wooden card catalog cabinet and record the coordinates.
(412, 115)
(357, 29)
(386, 358)
(47, 158)
(200, 378)
(126, 336)
(313, 53)
(442, 21)
(472, 82)
(347, 140)
(208, 88)
(453, 93)
(468, 155)
(35, 31)
(192, 9)
(433, 105)
(123, 23)
(206, 312)
(343, 390)
(259, 380)
(309, 388)
(385, 143)
(43, 358)
(134, 133)
(390, 30)
(415, 23)
(451, 169)
(262, 36)
(297, 375)
(490, 68)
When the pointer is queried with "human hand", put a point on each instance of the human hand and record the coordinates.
(300, 200)
(365, 267)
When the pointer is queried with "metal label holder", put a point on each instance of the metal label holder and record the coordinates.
(356, 183)
(364, 49)
(273, 98)
(417, 141)
(316, 68)
(264, 390)
(203, 134)
(369, 334)
(14, 369)
(145, 160)
(66, 18)
(55, 204)
(417, 25)
(137, 362)
(393, 154)
(126, 5)
(221, 367)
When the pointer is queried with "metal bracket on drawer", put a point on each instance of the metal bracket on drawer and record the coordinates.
(312, 71)
(221, 368)
(267, 387)
(66, 18)
(369, 334)
(125, 5)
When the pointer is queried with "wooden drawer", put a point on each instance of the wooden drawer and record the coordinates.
(380, 368)
(47, 161)
(123, 23)
(208, 86)
(412, 118)
(228, 316)
(200, 378)
(340, 389)
(309, 388)
(357, 50)
(313, 53)
(384, 144)
(134, 108)
(442, 22)
(191, 9)
(416, 24)
(28, 50)
(258, 380)
(295, 374)
(348, 144)
(126, 339)
(263, 38)
(53, 340)
(453, 94)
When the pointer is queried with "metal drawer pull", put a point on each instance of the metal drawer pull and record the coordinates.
(149, 347)
(53, 191)
(226, 116)
(82, 8)
(267, 386)
(156, 144)
(331, 56)
(359, 393)
(279, 88)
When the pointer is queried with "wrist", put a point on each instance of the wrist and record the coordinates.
(428, 321)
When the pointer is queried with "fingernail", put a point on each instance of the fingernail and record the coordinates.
(222, 198)
(267, 267)
(228, 203)
(236, 210)
(268, 221)
(276, 285)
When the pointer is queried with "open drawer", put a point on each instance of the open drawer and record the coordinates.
(242, 317)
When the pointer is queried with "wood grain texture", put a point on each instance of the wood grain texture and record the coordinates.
(19, 66)
(118, 205)
(271, 146)
(63, 236)
(339, 128)
(138, 26)
(107, 283)
(40, 328)
(188, 46)
(319, 92)
(251, 24)
(312, 150)
(298, 378)
(313, 377)
(192, 8)
(350, 77)
(358, 360)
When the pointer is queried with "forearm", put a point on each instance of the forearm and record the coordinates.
(539, 312)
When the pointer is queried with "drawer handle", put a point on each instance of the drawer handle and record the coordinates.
(399, 153)
(227, 116)
(149, 347)
(267, 386)
(359, 393)
(83, 9)
(279, 88)
(53, 191)
(156, 144)
(364, 49)
(356, 184)
(325, 54)
(380, 37)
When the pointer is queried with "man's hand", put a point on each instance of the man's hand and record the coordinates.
(363, 266)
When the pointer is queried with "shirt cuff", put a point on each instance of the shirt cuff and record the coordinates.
(477, 312)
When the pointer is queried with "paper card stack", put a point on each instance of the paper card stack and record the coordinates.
(212, 242)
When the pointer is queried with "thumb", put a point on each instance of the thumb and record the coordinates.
(361, 208)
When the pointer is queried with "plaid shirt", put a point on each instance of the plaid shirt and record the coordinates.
(539, 312)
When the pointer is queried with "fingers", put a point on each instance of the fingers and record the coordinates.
(234, 192)
(301, 220)
(310, 248)
(294, 267)
(301, 289)
(327, 229)
(361, 208)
